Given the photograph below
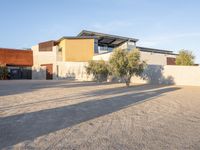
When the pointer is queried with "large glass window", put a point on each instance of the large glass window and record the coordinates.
(103, 49)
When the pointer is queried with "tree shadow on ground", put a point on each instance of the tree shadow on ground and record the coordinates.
(87, 95)
(11, 87)
(18, 128)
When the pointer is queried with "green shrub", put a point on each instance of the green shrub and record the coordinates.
(3, 72)
(125, 64)
(185, 58)
(99, 69)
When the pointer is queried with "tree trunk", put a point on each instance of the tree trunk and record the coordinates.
(127, 81)
(127, 84)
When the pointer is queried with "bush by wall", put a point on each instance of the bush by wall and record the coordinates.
(3, 72)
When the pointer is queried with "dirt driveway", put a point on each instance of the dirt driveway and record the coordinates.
(75, 115)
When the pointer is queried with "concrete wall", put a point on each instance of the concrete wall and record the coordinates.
(104, 56)
(43, 57)
(153, 74)
(150, 58)
(39, 73)
(155, 58)
(177, 75)
(127, 45)
(183, 75)
(73, 71)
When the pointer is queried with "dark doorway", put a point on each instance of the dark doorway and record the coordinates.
(49, 71)
(19, 72)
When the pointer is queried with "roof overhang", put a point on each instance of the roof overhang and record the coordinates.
(106, 39)
(76, 37)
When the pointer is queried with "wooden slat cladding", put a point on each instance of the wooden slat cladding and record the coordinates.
(16, 57)
(47, 46)
(171, 61)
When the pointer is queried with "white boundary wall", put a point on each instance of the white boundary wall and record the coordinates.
(150, 58)
(39, 73)
(177, 75)
(183, 75)
(153, 74)
(73, 71)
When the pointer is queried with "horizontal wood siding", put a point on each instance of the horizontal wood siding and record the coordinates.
(46, 46)
(171, 61)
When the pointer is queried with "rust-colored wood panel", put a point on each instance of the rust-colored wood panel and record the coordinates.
(171, 61)
(49, 71)
(16, 57)
(46, 46)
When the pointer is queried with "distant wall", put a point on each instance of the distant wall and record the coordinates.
(177, 75)
(155, 58)
(104, 56)
(150, 58)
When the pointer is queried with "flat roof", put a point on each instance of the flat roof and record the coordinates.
(106, 39)
(76, 37)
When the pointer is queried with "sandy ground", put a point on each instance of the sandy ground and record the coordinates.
(67, 115)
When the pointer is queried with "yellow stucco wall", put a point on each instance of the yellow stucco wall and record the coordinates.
(78, 50)
(62, 45)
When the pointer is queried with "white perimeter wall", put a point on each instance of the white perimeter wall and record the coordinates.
(155, 58)
(153, 74)
(177, 75)
(150, 58)
(73, 71)
(183, 75)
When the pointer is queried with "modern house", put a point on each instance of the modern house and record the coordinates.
(67, 51)
(67, 56)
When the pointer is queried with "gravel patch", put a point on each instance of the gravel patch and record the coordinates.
(87, 115)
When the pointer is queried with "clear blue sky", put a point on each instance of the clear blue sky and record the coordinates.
(165, 24)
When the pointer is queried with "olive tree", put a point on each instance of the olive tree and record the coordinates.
(185, 58)
(125, 64)
(99, 69)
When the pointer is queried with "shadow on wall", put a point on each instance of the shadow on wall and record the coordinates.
(154, 75)
(8, 87)
(68, 76)
(28, 126)
(41, 74)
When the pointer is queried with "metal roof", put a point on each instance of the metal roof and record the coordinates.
(76, 37)
(145, 49)
(106, 39)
